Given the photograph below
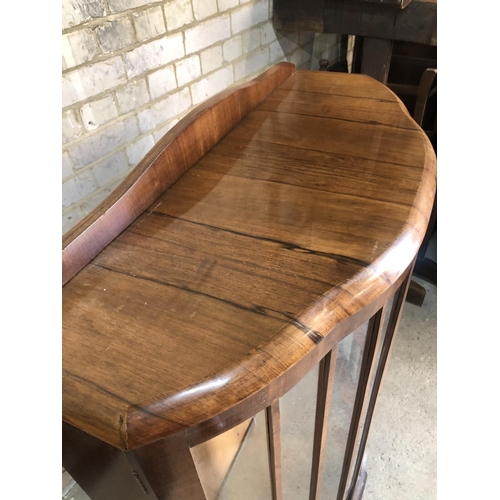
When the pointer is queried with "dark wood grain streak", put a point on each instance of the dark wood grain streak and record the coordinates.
(323, 403)
(273, 420)
(286, 235)
(175, 153)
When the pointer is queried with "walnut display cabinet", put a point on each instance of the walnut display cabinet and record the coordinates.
(266, 239)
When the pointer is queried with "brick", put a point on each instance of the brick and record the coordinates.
(91, 80)
(110, 168)
(71, 217)
(66, 166)
(154, 54)
(227, 4)
(78, 188)
(161, 82)
(70, 126)
(275, 52)
(232, 48)
(97, 113)
(178, 13)
(149, 23)
(94, 200)
(204, 8)
(164, 110)
(211, 85)
(249, 15)
(187, 70)
(75, 12)
(267, 33)
(78, 48)
(163, 130)
(207, 33)
(211, 59)
(115, 35)
(137, 151)
(251, 40)
(256, 62)
(122, 5)
(103, 142)
(132, 96)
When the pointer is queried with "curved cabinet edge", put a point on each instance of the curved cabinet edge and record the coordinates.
(171, 157)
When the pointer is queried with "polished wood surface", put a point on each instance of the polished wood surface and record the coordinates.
(171, 156)
(282, 238)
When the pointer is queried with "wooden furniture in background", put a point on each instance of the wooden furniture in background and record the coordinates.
(380, 23)
(267, 226)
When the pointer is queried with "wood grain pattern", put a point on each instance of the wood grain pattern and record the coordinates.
(377, 53)
(175, 153)
(284, 237)
(417, 22)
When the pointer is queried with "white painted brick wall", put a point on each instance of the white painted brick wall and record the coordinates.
(89, 81)
(149, 23)
(251, 65)
(178, 13)
(161, 82)
(211, 85)
(103, 142)
(154, 54)
(78, 188)
(66, 166)
(137, 150)
(187, 70)
(251, 40)
(132, 96)
(122, 5)
(249, 15)
(75, 12)
(97, 113)
(164, 110)
(78, 47)
(211, 59)
(110, 168)
(232, 48)
(71, 129)
(204, 8)
(115, 35)
(207, 33)
(227, 4)
(133, 68)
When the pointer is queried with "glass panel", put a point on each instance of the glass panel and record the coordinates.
(298, 412)
(248, 477)
(347, 370)
(369, 391)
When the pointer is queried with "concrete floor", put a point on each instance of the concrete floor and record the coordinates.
(401, 449)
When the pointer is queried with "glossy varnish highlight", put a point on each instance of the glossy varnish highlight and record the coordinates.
(301, 217)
